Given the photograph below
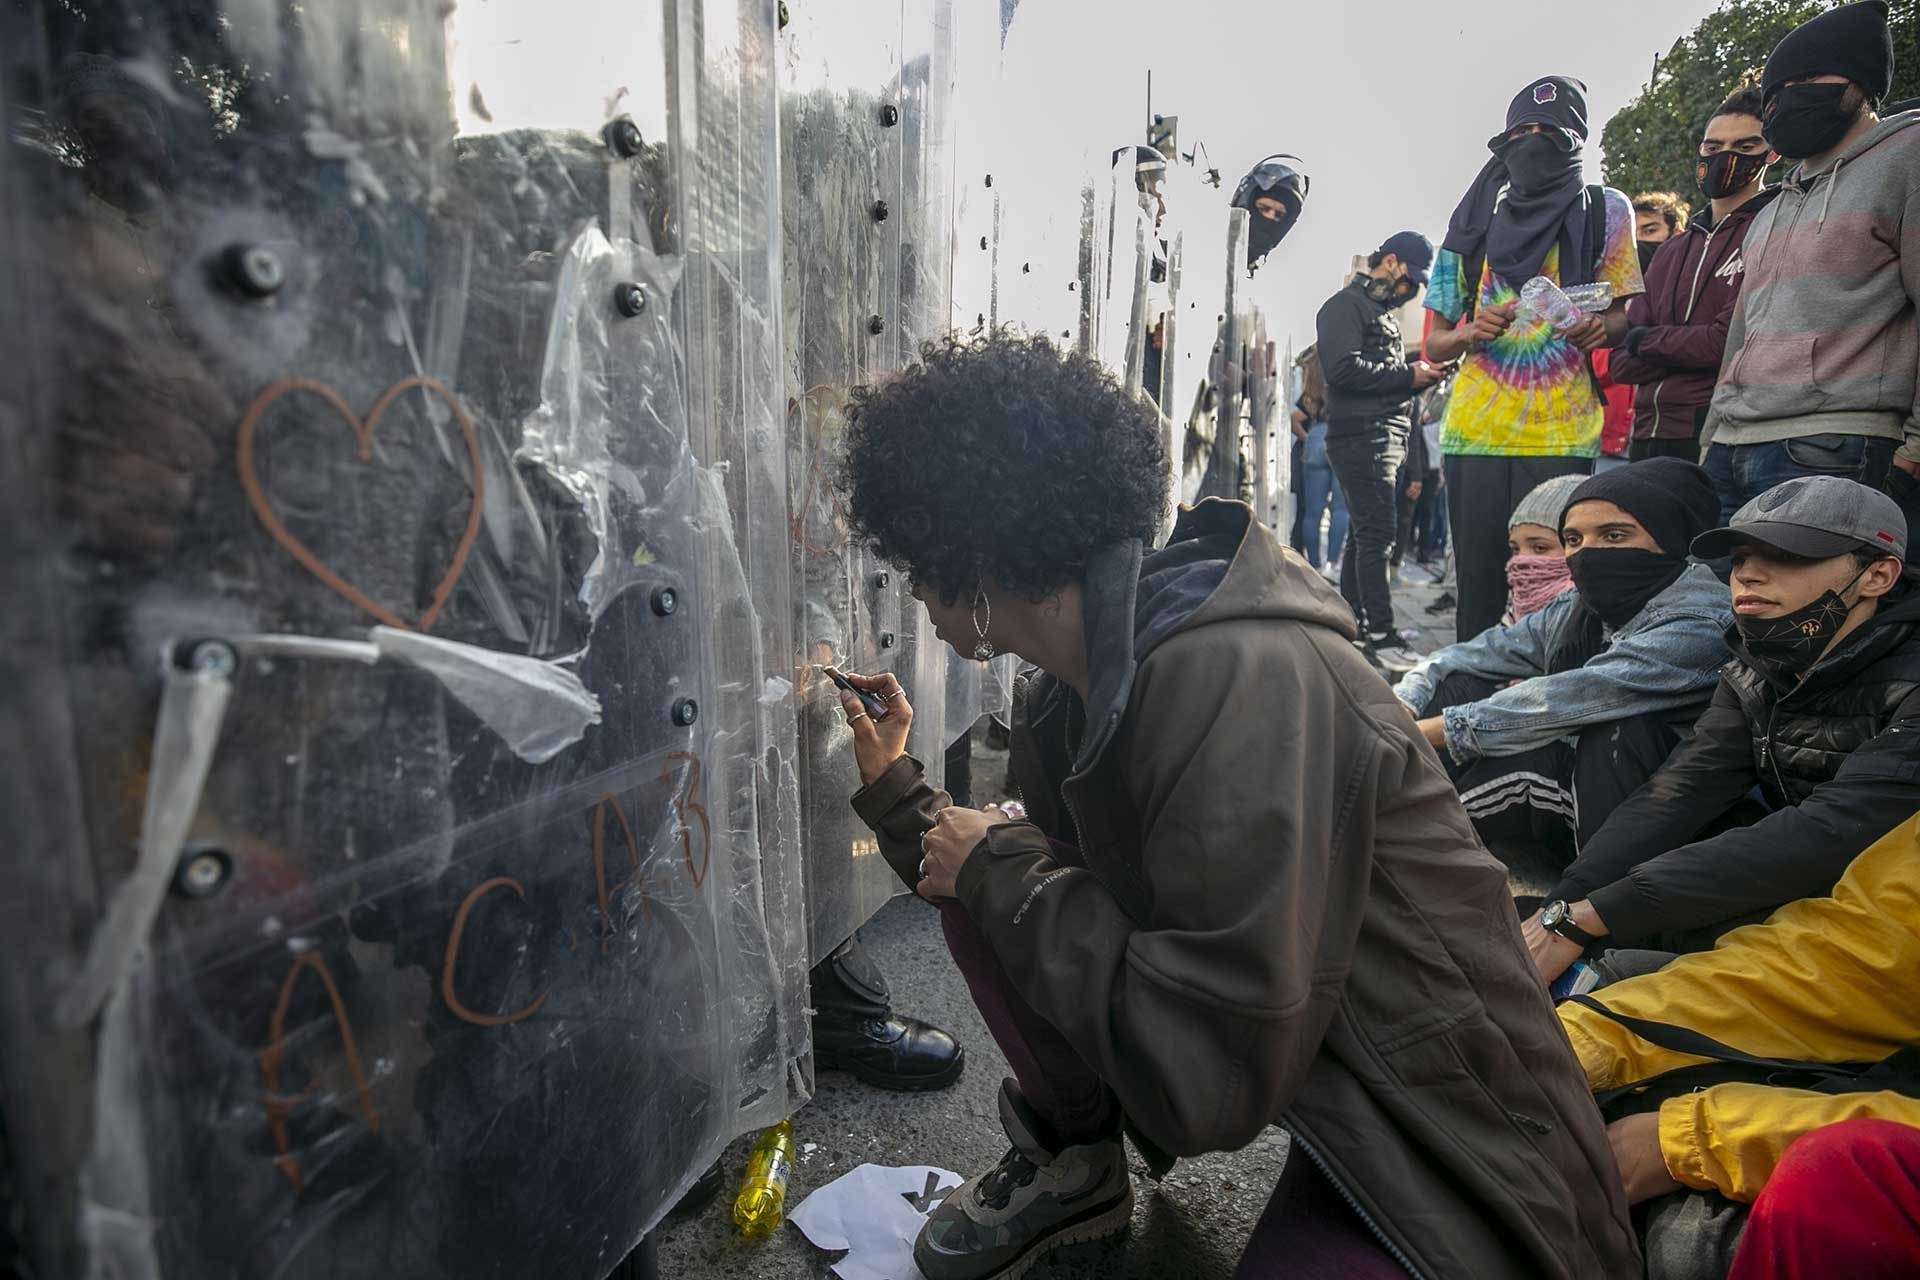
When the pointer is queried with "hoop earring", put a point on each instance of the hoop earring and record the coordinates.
(983, 651)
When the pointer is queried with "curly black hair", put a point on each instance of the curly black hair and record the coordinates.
(1001, 457)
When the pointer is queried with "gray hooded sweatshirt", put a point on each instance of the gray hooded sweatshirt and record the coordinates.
(1825, 336)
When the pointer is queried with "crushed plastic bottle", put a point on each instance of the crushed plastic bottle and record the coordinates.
(1541, 298)
(1590, 298)
(761, 1206)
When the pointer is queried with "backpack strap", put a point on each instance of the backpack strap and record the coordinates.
(1596, 229)
(1899, 1073)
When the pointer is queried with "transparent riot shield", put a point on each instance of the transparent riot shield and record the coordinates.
(410, 884)
(1122, 332)
(866, 205)
(1267, 448)
(1201, 267)
(1227, 468)
(1037, 160)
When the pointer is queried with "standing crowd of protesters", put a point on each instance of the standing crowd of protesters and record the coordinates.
(1588, 947)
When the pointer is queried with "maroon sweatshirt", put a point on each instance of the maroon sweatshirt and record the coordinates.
(1679, 325)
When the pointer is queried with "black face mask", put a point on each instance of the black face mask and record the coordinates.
(1538, 162)
(1617, 582)
(1646, 249)
(1728, 173)
(1806, 119)
(1787, 646)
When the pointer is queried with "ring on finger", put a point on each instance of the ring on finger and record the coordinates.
(923, 868)
(858, 715)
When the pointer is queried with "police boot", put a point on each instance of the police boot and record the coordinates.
(856, 1030)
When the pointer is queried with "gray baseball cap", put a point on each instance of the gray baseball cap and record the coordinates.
(1816, 517)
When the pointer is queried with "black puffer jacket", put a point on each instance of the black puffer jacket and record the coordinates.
(1837, 758)
(1365, 361)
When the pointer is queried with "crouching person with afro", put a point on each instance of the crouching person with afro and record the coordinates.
(1244, 893)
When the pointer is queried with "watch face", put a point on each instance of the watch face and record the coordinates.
(1555, 915)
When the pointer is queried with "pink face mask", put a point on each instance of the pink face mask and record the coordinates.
(1535, 581)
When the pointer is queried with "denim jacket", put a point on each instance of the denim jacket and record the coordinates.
(1668, 656)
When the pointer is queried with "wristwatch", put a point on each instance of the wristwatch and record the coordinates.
(1556, 918)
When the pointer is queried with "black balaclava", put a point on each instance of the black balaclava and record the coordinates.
(1852, 41)
(1525, 199)
(1275, 178)
(1675, 502)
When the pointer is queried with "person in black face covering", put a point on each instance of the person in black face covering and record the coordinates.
(1525, 406)
(1548, 724)
(1817, 710)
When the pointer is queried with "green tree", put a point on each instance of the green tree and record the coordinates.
(1650, 142)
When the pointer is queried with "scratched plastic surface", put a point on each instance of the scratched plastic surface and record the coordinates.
(867, 209)
(458, 318)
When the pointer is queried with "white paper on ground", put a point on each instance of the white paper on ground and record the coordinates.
(874, 1211)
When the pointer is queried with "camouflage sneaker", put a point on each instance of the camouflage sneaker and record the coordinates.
(1003, 1222)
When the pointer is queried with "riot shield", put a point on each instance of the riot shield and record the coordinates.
(1122, 334)
(410, 876)
(1200, 265)
(1227, 470)
(867, 211)
(1050, 175)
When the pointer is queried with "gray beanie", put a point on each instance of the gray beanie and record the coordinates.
(1544, 505)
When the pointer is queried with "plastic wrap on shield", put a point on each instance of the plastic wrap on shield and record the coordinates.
(422, 360)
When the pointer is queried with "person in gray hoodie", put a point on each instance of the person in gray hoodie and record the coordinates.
(1822, 368)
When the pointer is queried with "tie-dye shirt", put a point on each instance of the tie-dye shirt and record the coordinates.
(1527, 392)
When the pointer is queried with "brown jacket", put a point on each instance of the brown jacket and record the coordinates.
(1279, 913)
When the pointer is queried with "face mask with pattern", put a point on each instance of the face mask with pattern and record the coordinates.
(1787, 646)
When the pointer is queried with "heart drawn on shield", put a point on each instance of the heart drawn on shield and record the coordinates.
(362, 429)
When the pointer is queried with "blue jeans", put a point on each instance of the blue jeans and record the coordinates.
(1318, 491)
(1742, 472)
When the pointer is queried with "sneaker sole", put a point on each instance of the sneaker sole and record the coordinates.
(1103, 1226)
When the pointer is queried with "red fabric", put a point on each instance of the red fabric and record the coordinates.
(1618, 427)
(1844, 1201)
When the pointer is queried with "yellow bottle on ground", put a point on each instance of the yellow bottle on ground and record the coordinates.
(761, 1206)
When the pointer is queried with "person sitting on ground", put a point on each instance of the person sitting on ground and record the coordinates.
(1723, 1071)
(1536, 558)
(1820, 709)
(1609, 676)
(1244, 883)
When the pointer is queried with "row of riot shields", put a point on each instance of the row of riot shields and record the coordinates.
(421, 423)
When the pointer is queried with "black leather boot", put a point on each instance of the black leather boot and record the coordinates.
(856, 1030)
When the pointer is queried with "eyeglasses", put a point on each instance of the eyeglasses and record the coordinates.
(1744, 146)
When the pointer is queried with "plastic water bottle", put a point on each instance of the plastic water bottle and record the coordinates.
(761, 1206)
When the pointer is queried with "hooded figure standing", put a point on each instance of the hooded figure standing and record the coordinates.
(1525, 405)
(1822, 370)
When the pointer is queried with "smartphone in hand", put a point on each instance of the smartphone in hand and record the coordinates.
(872, 704)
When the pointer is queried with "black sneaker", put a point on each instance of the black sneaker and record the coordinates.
(1002, 1223)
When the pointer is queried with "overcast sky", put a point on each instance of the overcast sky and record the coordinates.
(1389, 106)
